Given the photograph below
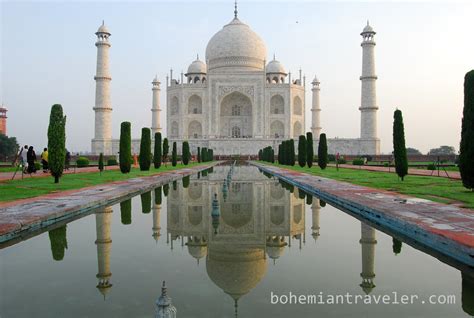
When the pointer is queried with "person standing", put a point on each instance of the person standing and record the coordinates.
(31, 159)
(22, 158)
(44, 159)
(67, 160)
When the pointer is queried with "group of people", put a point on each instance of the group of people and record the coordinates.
(27, 157)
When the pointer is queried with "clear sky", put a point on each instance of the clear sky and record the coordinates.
(423, 51)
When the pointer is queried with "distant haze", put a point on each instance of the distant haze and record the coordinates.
(423, 51)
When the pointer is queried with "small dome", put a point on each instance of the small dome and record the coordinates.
(103, 29)
(197, 67)
(236, 45)
(275, 67)
(368, 29)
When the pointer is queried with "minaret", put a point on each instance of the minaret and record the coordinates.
(368, 108)
(368, 242)
(3, 120)
(316, 110)
(103, 218)
(156, 219)
(155, 108)
(316, 208)
(103, 108)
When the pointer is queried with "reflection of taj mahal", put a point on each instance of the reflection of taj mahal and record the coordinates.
(235, 101)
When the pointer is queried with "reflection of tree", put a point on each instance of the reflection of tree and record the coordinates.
(396, 246)
(204, 173)
(166, 189)
(467, 296)
(322, 203)
(301, 194)
(286, 185)
(309, 199)
(175, 185)
(58, 240)
(199, 175)
(126, 211)
(146, 202)
(266, 174)
(186, 182)
(158, 195)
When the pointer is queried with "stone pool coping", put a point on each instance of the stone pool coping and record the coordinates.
(444, 228)
(17, 218)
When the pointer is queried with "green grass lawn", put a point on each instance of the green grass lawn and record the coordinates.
(8, 169)
(437, 189)
(32, 187)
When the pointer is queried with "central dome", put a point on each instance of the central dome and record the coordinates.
(236, 45)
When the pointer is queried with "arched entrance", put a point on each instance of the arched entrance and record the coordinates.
(236, 116)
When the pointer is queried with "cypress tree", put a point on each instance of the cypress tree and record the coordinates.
(279, 154)
(272, 154)
(284, 152)
(199, 154)
(56, 142)
(302, 151)
(291, 152)
(211, 155)
(399, 149)
(126, 212)
(322, 152)
(309, 149)
(260, 154)
(146, 202)
(174, 155)
(466, 155)
(166, 150)
(101, 162)
(125, 152)
(145, 150)
(185, 154)
(58, 240)
(157, 153)
(158, 198)
(203, 154)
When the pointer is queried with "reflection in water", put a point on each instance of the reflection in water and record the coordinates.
(396, 246)
(126, 211)
(156, 214)
(258, 218)
(164, 306)
(315, 208)
(368, 242)
(103, 217)
(58, 240)
(146, 202)
(467, 294)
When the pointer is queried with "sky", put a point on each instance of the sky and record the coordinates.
(424, 49)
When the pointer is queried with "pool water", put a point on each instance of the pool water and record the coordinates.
(261, 238)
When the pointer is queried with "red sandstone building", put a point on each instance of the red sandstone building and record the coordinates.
(3, 120)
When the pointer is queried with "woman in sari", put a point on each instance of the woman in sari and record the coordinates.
(31, 158)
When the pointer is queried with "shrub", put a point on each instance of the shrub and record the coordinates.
(37, 166)
(157, 158)
(166, 149)
(145, 150)
(174, 155)
(185, 153)
(358, 162)
(399, 149)
(367, 157)
(125, 152)
(322, 152)
(101, 162)
(56, 142)
(112, 161)
(466, 152)
(302, 151)
(309, 149)
(331, 158)
(82, 162)
(385, 164)
(341, 160)
(431, 166)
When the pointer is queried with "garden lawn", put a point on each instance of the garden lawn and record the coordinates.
(32, 187)
(437, 189)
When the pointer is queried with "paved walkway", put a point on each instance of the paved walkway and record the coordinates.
(447, 229)
(4, 176)
(411, 171)
(20, 217)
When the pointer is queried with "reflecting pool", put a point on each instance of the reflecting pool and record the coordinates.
(225, 241)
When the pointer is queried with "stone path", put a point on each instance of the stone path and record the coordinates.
(19, 217)
(4, 176)
(446, 229)
(411, 171)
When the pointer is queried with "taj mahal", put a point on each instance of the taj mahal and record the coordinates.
(235, 101)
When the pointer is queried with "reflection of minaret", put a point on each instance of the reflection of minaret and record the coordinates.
(316, 208)
(368, 243)
(156, 218)
(103, 219)
(164, 307)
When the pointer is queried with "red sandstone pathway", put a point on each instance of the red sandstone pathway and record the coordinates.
(412, 171)
(447, 229)
(4, 176)
(19, 217)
